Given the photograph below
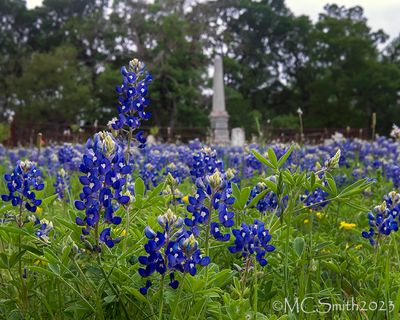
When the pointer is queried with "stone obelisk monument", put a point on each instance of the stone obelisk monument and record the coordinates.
(219, 117)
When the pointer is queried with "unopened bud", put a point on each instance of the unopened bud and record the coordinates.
(171, 181)
(215, 180)
(333, 162)
(230, 173)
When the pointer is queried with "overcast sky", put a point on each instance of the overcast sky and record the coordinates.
(381, 14)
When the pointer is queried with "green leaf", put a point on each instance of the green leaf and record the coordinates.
(6, 208)
(50, 199)
(50, 256)
(271, 185)
(289, 177)
(283, 159)
(355, 188)
(11, 229)
(236, 191)
(354, 205)
(139, 187)
(272, 157)
(41, 270)
(135, 293)
(110, 299)
(55, 268)
(262, 159)
(331, 266)
(156, 191)
(244, 196)
(298, 245)
(257, 198)
(3, 261)
(312, 180)
(32, 249)
(79, 308)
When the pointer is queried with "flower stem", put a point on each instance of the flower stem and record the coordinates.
(255, 294)
(286, 270)
(160, 312)
(208, 228)
(106, 278)
(178, 296)
(20, 223)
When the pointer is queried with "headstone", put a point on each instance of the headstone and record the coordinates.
(151, 139)
(219, 117)
(238, 137)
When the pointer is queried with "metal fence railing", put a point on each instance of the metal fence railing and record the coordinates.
(23, 133)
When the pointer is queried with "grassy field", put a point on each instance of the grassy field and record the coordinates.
(196, 232)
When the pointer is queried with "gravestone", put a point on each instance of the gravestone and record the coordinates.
(151, 139)
(238, 137)
(219, 117)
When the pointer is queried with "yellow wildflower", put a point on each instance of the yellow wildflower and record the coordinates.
(319, 215)
(123, 233)
(185, 199)
(306, 221)
(359, 246)
(347, 226)
(39, 210)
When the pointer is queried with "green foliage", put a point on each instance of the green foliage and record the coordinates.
(314, 260)
(4, 131)
(289, 121)
(53, 86)
(274, 62)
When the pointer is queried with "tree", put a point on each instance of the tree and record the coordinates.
(53, 87)
(346, 64)
(163, 35)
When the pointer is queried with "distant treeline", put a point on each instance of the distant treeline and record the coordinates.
(60, 62)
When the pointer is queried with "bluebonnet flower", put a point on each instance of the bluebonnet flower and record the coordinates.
(104, 178)
(145, 289)
(178, 171)
(268, 203)
(133, 101)
(214, 192)
(22, 184)
(316, 199)
(252, 239)
(204, 162)
(384, 218)
(252, 165)
(174, 250)
(171, 188)
(44, 227)
(62, 184)
(150, 175)
(66, 157)
(105, 237)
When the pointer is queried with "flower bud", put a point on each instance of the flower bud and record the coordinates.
(189, 245)
(169, 220)
(26, 165)
(105, 142)
(381, 208)
(215, 180)
(171, 180)
(333, 162)
(230, 173)
(130, 195)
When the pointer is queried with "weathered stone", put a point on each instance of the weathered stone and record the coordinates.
(238, 137)
(219, 117)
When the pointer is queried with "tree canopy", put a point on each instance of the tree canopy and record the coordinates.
(60, 62)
